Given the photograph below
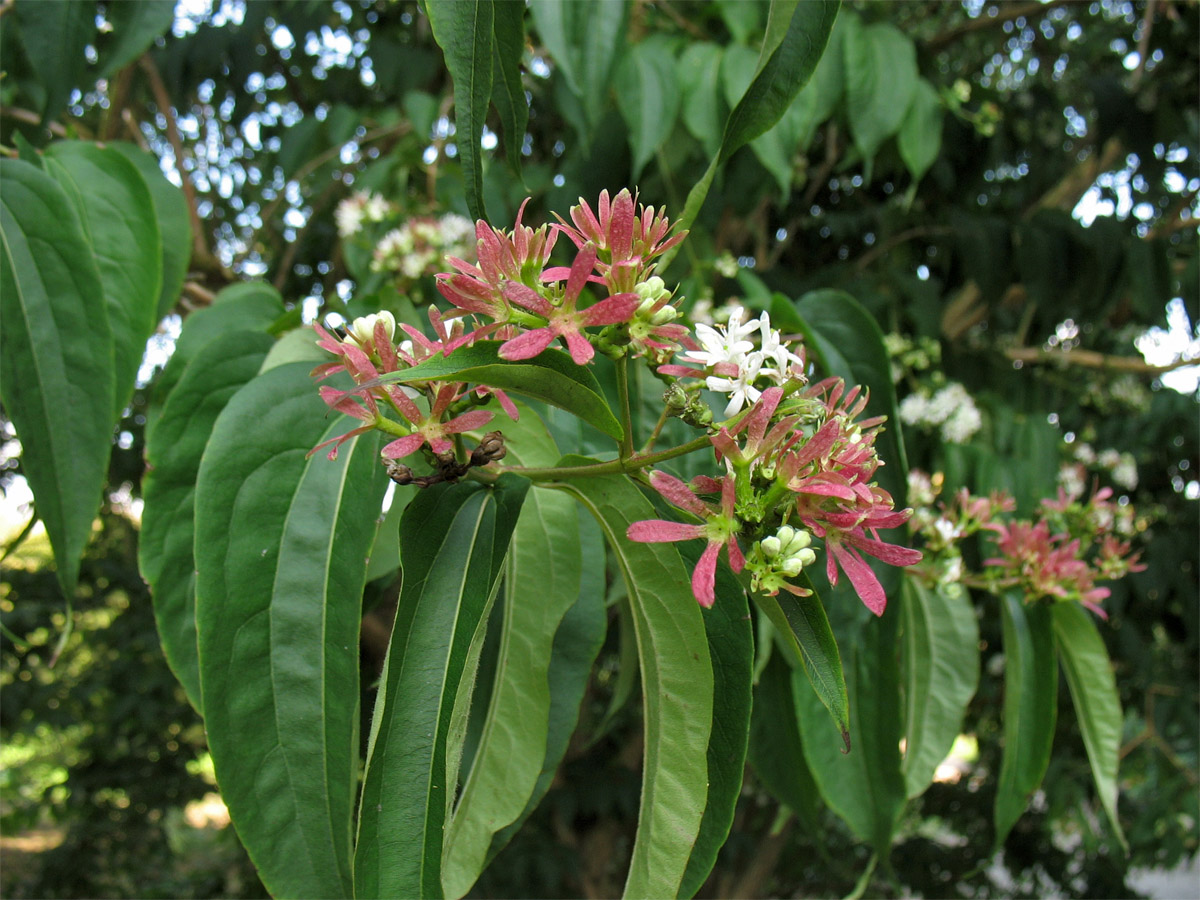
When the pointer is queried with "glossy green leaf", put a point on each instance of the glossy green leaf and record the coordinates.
(802, 626)
(56, 358)
(920, 138)
(119, 221)
(56, 36)
(731, 648)
(576, 645)
(174, 447)
(541, 582)
(775, 751)
(134, 28)
(864, 787)
(281, 546)
(464, 31)
(1097, 704)
(174, 226)
(881, 75)
(677, 684)
(453, 540)
(648, 97)
(1030, 707)
(941, 673)
(776, 147)
(551, 376)
(508, 93)
(699, 73)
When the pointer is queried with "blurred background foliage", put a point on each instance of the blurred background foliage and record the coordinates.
(1010, 186)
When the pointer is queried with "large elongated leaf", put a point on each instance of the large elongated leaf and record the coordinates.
(920, 138)
(173, 450)
(1097, 704)
(453, 539)
(541, 582)
(134, 28)
(464, 31)
(881, 75)
(56, 357)
(281, 547)
(550, 376)
(648, 98)
(677, 681)
(508, 94)
(56, 36)
(119, 220)
(1030, 707)
(941, 673)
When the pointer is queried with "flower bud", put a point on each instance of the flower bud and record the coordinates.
(785, 534)
(652, 289)
(791, 566)
(675, 397)
(362, 330)
(770, 547)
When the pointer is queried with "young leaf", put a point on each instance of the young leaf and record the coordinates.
(118, 218)
(281, 545)
(1097, 703)
(173, 450)
(941, 673)
(677, 681)
(550, 376)
(56, 358)
(541, 582)
(464, 31)
(1030, 707)
(453, 540)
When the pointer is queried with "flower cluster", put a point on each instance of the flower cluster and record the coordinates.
(359, 208)
(1120, 467)
(951, 410)
(418, 247)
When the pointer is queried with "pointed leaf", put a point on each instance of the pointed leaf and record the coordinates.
(508, 93)
(453, 539)
(648, 98)
(1030, 707)
(677, 683)
(881, 75)
(134, 28)
(56, 36)
(551, 376)
(173, 450)
(941, 673)
(281, 547)
(118, 218)
(56, 357)
(1097, 704)
(920, 138)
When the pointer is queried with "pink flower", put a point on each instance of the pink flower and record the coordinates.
(431, 429)
(565, 321)
(720, 529)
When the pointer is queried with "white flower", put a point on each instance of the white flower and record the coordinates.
(741, 389)
(952, 573)
(946, 402)
(1125, 473)
(375, 208)
(349, 215)
(1072, 479)
(946, 530)
(963, 423)
(914, 409)
(1108, 459)
(773, 350)
(724, 343)
(362, 330)
(1085, 454)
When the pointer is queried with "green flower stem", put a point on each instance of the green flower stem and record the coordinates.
(612, 467)
(626, 412)
(385, 424)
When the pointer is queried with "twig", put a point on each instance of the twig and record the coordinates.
(1090, 359)
(1007, 13)
(1143, 45)
(26, 115)
(895, 240)
(1172, 220)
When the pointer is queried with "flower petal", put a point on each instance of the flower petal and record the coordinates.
(403, 446)
(527, 345)
(704, 576)
(677, 492)
(865, 583)
(655, 531)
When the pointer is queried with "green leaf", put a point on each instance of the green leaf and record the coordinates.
(541, 582)
(920, 138)
(281, 547)
(118, 218)
(174, 226)
(864, 787)
(677, 684)
(135, 26)
(1030, 707)
(699, 72)
(173, 450)
(56, 358)
(508, 93)
(775, 750)
(803, 627)
(453, 540)
(775, 148)
(551, 376)
(731, 647)
(56, 36)
(941, 673)
(464, 31)
(881, 75)
(1097, 704)
(648, 98)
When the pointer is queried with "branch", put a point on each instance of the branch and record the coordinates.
(895, 240)
(1172, 220)
(1006, 13)
(1090, 359)
(32, 118)
(1143, 46)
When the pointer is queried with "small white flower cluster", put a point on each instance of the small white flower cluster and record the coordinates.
(737, 363)
(418, 247)
(951, 408)
(1121, 467)
(358, 208)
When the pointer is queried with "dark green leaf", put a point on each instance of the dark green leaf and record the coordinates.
(119, 221)
(453, 540)
(56, 36)
(1030, 707)
(881, 75)
(648, 98)
(699, 72)
(1097, 704)
(550, 376)
(775, 750)
(281, 547)
(465, 32)
(677, 683)
(920, 138)
(56, 358)
(173, 450)
(508, 93)
(135, 25)
(941, 673)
